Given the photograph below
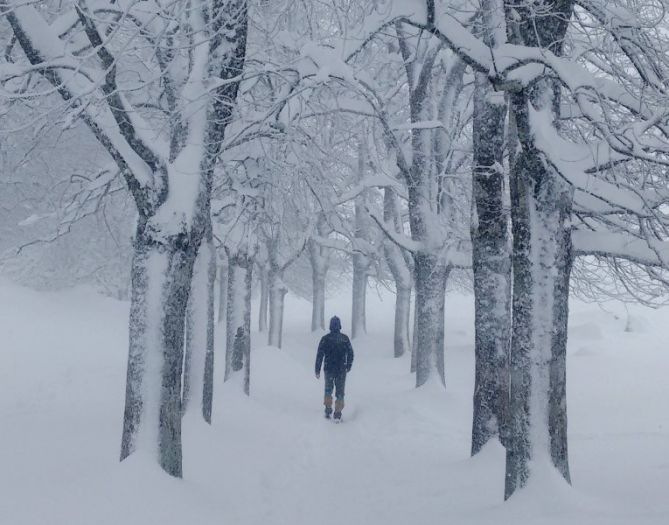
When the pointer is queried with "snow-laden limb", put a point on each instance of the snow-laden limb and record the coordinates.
(577, 162)
(377, 180)
(628, 32)
(621, 245)
(75, 84)
(402, 241)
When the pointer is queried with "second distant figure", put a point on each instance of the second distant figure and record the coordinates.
(336, 351)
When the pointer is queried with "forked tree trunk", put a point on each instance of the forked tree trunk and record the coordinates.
(161, 279)
(492, 269)
(431, 275)
(198, 377)
(277, 294)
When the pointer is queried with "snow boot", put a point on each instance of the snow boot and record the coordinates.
(339, 406)
(327, 401)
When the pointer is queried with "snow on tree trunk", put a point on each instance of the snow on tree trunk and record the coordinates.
(541, 206)
(277, 294)
(263, 277)
(492, 268)
(557, 417)
(240, 273)
(431, 276)
(222, 289)
(161, 277)
(198, 374)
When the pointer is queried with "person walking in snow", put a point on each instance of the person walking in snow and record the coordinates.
(336, 351)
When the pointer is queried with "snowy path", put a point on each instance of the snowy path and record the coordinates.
(401, 456)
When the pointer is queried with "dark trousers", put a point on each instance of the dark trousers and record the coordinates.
(335, 382)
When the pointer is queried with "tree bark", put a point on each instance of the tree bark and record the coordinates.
(541, 213)
(263, 278)
(402, 315)
(557, 417)
(492, 269)
(318, 299)
(199, 352)
(401, 272)
(414, 339)
(222, 289)
(277, 294)
(161, 278)
(431, 277)
(541, 208)
(319, 258)
(359, 295)
(238, 315)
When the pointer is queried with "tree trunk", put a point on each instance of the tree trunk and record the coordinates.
(240, 273)
(540, 213)
(358, 311)
(414, 337)
(263, 277)
(161, 279)
(318, 299)
(222, 289)
(401, 274)
(431, 276)
(557, 418)
(198, 377)
(319, 258)
(402, 316)
(277, 294)
(492, 270)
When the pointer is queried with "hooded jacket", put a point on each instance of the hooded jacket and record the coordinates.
(335, 350)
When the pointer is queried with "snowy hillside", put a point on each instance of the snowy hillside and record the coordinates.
(400, 457)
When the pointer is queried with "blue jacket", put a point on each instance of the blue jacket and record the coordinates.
(336, 350)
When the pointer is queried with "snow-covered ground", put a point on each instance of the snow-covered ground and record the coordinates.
(401, 457)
